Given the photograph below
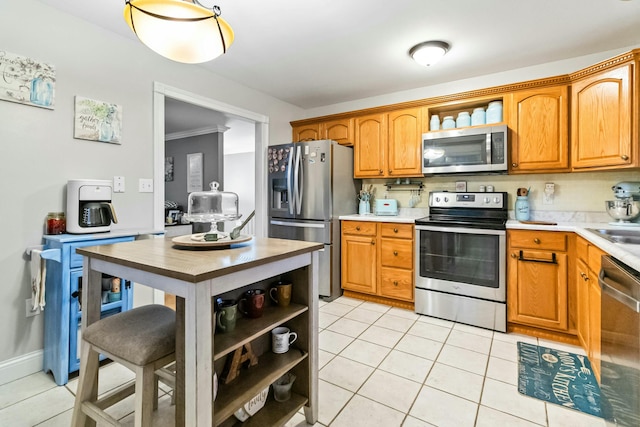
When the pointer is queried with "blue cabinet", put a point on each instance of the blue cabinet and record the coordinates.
(63, 312)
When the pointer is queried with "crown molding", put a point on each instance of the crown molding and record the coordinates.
(196, 132)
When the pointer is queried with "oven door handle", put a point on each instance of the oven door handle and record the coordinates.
(461, 230)
(553, 259)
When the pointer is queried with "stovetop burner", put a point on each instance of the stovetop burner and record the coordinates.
(470, 210)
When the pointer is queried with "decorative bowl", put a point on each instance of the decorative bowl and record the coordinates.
(623, 210)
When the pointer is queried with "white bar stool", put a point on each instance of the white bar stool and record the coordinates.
(143, 340)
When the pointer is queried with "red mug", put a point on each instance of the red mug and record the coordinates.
(252, 303)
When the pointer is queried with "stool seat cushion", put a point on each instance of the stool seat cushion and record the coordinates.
(140, 336)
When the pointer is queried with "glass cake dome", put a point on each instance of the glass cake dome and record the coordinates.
(213, 206)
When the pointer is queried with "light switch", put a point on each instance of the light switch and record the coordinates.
(145, 185)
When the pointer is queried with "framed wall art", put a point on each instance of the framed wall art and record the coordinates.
(26, 81)
(97, 120)
(194, 172)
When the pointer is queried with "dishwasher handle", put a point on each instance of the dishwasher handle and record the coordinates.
(614, 293)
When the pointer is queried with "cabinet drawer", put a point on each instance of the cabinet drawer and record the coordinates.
(595, 259)
(396, 253)
(75, 260)
(396, 283)
(361, 228)
(399, 231)
(582, 249)
(548, 240)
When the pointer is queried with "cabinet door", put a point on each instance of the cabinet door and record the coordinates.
(341, 131)
(359, 263)
(601, 108)
(396, 283)
(537, 289)
(582, 295)
(404, 144)
(371, 141)
(539, 130)
(306, 132)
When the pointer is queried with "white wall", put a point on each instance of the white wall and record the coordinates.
(39, 153)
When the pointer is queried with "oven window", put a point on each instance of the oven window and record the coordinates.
(460, 257)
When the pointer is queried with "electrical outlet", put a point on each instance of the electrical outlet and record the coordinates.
(118, 184)
(547, 195)
(29, 308)
(146, 185)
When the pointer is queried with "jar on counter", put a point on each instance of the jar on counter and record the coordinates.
(522, 208)
(56, 223)
(448, 123)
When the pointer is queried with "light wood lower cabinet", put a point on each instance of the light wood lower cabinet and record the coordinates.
(377, 260)
(538, 279)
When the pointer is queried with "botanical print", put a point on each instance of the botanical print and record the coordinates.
(26, 81)
(97, 120)
(168, 169)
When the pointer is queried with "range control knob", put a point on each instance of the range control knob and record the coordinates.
(438, 199)
(446, 199)
(487, 199)
(496, 200)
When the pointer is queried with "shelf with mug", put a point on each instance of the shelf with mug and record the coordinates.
(248, 329)
(270, 367)
(277, 413)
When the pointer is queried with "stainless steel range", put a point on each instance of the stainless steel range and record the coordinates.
(461, 259)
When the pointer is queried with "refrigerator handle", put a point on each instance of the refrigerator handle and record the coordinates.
(300, 184)
(297, 182)
(289, 173)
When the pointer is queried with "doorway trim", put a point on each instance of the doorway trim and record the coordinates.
(160, 91)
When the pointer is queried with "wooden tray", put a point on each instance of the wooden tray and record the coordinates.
(187, 241)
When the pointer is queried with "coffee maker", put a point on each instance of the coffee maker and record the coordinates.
(89, 208)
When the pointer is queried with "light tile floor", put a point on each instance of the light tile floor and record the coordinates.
(379, 366)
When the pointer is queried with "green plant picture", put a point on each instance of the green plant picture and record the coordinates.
(26, 81)
(97, 121)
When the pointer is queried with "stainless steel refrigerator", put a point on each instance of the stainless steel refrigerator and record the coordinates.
(310, 184)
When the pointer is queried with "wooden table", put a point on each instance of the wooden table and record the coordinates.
(198, 275)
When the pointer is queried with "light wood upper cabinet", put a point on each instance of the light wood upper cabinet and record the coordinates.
(310, 132)
(405, 143)
(342, 131)
(539, 125)
(601, 120)
(371, 141)
(389, 145)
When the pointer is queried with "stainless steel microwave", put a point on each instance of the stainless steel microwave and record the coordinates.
(467, 150)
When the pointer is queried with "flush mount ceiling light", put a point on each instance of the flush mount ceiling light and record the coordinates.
(180, 30)
(428, 53)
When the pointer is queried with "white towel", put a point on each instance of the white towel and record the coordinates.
(38, 276)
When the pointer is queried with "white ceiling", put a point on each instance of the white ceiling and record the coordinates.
(314, 53)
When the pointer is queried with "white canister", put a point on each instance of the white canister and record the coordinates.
(448, 123)
(494, 112)
(464, 119)
(478, 117)
(434, 124)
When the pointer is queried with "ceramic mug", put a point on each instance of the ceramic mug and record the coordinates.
(281, 339)
(281, 294)
(227, 314)
(252, 303)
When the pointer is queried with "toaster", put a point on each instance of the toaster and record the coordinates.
(386, 207)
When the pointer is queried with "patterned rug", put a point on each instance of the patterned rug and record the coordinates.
(558, 377)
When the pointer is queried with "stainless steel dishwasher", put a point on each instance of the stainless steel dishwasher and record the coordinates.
(620, 376)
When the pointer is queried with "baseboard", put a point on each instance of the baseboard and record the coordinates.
(18, 367)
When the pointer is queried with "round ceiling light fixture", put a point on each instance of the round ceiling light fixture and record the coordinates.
(184, 31)
(428, 53)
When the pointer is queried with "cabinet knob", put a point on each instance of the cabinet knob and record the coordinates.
(513, 255)
(395, 253)
(75, 294)
(395, 283)
(358, 228)
(380, 172)
(624, 157)
(536, 241)
(373, 242)
(395, 230)
(582, 275)
(390, 171)
(514, 165)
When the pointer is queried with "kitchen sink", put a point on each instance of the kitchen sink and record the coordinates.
(618, 236)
